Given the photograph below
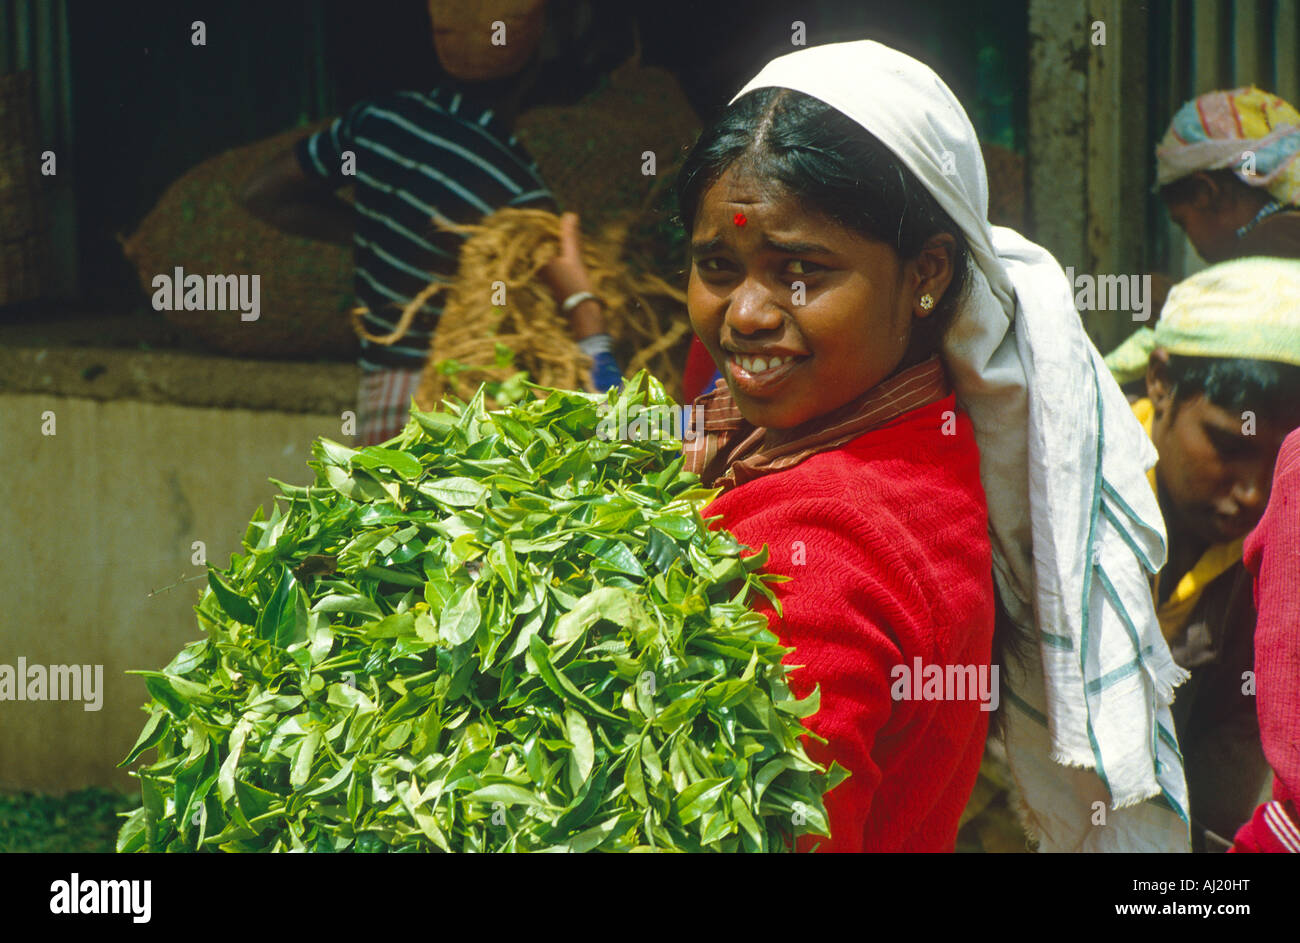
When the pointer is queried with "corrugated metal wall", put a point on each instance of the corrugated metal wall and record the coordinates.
(128, 73)
(34, 37)
(1203, 45)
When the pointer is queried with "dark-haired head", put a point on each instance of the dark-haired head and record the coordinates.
(1218, 424)
(835, 168)
(1266, 388)
(1210, 206)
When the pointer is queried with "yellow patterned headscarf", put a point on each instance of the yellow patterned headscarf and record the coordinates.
(1247, 308)
(1254, 133)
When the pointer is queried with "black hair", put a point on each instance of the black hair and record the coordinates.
(1266, 387)
(1186, 189)
(835, 167)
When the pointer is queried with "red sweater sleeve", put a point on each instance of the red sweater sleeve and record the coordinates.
(885, 541)
(846, 599)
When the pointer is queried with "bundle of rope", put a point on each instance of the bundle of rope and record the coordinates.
(498, 302)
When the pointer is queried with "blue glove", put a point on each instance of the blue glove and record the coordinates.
(605, 372)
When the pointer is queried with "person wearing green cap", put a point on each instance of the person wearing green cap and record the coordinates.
(1222, 371)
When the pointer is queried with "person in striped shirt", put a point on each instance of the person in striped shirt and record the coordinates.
(416, 160)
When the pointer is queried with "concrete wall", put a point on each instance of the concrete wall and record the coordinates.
(1088, 156)
(96, 517)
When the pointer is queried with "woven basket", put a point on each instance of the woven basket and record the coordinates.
(306, 286)
(24, 223)
(591, 154)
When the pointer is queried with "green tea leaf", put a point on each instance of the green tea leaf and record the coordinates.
(494, 612)
(506, 793)
(302, 760)
(374, 457)
(284, 620)
(698, 798)
(153, 731)
(454, 491)
(461, 619)
(583, 756)
(236, 606)
(561, 685)
(338, 603)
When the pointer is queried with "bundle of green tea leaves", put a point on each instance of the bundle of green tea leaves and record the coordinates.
(500, 631)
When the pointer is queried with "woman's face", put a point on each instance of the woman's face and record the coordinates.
(787, 355)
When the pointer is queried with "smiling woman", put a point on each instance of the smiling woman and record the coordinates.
(820, 312)
(843, 251)
(891, 426)
(789, 362)
(911, 414)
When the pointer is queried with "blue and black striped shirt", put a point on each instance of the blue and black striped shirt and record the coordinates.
(420, 159)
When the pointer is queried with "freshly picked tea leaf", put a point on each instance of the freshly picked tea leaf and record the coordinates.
(498, 632)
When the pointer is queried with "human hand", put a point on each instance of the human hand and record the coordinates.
(566, 274)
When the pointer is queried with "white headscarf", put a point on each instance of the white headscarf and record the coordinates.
(1073, 521)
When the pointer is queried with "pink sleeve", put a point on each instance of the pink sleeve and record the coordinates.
(1272, 553)
(1274, 829)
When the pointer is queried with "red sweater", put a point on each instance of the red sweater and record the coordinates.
(1272, 554)
(886, 539)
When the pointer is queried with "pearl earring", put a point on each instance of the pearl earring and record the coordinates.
(927, 301)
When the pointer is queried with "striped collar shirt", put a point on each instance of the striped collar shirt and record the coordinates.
(416, 159)
(730, 451)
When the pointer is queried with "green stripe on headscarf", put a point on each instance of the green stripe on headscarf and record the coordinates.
(1246, 308)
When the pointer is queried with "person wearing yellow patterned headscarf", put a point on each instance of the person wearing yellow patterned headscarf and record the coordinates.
(1223, 382)
(1228, 170)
